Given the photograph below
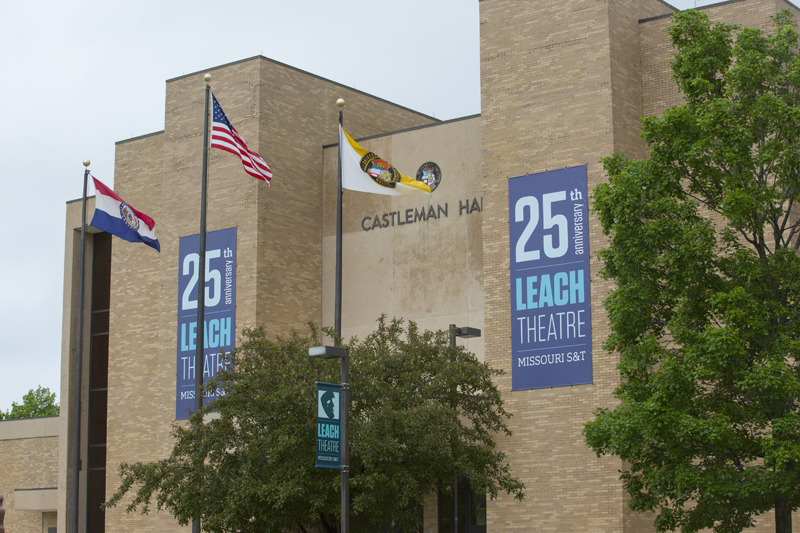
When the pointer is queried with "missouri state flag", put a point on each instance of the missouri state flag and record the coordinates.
(365, 171)
(113, 215)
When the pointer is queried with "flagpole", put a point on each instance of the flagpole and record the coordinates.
(76, 413)
(337, 323)
(199, 358)
(345, 465)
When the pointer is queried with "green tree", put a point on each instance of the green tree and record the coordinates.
(420, 412)
(39, 402)
(706, 313)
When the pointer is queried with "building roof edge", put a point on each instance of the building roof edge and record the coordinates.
(308, 74)
(404, 130)
(139, 137)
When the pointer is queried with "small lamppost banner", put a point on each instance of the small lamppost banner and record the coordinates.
(329, 443)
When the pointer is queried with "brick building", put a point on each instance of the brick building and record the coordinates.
(563, 83)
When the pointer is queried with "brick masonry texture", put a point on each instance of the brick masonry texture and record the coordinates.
(26, 463)
(407, 270)
(547, 71)
(284, 114)
(68, 359)
(563, 83)
(660, 91)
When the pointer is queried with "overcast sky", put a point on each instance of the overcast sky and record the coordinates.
(79, 75)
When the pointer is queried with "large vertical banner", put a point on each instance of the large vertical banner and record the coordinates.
(220, 311)
(551, 335)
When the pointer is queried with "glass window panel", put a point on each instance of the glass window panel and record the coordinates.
(98, 377)
(97, 456)
(95, 496)
(98, 405)
(99, 322)
(101, 271)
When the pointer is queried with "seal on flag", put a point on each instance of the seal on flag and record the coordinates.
(129, 216)
(380, 171)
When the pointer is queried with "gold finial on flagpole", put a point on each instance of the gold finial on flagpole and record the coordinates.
(207, 78)
(340, 103)
(86, 162)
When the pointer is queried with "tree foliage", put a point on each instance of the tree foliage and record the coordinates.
(704, 251)
(420, 412)
(39, 402)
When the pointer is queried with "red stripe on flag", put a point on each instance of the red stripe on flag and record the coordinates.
(228, 139)
(102, 189)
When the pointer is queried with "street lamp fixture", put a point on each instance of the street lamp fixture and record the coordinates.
(328, 352)
(464, 333)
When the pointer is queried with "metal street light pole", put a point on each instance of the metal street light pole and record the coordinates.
(464, 333)
(345, 372)
(331, 352)
(337, 352)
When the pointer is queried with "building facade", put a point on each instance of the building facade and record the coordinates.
(563, 84)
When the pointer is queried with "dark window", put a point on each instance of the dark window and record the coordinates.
(98, 379)
(471, 509)
(95, 496)
(98, 384)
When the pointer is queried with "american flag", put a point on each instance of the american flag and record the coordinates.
(225, 137)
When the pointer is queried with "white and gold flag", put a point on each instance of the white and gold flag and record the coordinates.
(365, 171)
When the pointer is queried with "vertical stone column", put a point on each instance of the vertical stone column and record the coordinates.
(560, 87)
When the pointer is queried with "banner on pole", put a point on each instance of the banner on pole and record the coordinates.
(220, 312)
(329, 440)
(551, 332)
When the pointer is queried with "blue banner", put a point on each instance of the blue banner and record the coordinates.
(329, 440)
(220, 312)
(551, 332)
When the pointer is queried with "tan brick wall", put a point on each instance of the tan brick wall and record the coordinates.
(299, 115)
(48, 520)
(68, 357)
(430, 523)
(286, 115)
(563, 84)
(28, 460)
(427, 271)
(547, 103)
(660, 91)
(626, 70)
